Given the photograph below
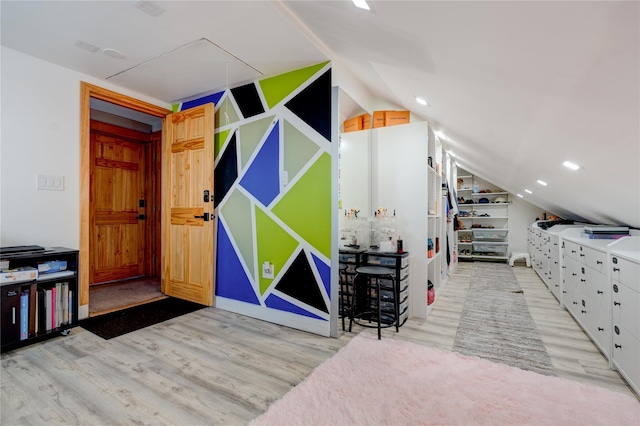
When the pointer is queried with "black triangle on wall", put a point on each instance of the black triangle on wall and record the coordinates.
(300, 283)
(226, 171)
(313, 105)
(248, 100)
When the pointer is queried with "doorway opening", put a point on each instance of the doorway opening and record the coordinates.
(120, 201)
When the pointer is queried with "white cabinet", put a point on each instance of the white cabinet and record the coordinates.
(625, 306)
(544, 249)
(586, 289)
(598, 282)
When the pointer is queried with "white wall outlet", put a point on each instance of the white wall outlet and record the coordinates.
(284, 178)
(267, 270)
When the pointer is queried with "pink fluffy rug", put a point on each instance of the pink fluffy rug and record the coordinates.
(393, 382)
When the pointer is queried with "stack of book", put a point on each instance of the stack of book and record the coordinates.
(605, 232)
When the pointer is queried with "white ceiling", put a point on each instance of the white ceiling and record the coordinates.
(517, 87)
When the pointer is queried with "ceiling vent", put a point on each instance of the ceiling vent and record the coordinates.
(86, 46)
(150, 8)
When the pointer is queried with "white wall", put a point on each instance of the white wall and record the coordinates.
(40, 134)
(521, 215)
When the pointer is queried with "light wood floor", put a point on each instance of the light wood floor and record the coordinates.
(215, 367)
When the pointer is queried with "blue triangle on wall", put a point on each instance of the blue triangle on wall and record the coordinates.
(262, 179)
(231, 280)
(203, 100)
(276, 302)
(325, 273)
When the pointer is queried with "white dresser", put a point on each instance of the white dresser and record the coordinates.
(586, 285)
(625, 307)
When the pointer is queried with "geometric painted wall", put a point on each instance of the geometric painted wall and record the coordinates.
(272, 193)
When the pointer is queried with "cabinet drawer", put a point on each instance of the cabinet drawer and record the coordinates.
(388, 261)
(593, 258)
(595, 282)
(598, 324)
(571, 249)
(626, 353)
(347, 258)
(626, 272)
(626, 307)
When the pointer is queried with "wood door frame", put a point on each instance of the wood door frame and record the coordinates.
(88, 91)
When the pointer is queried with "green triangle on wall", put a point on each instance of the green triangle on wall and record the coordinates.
(250, 136)
(218, 141)
(237, 214)
(298, 149)
(277, 88)
(274, 245)
(225, 114)
(306, 208)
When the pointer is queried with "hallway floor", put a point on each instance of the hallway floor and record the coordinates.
(115, 296)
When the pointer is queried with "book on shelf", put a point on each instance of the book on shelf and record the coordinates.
(42, 317)
(65, 303)
(24, 315)
(59, 313)
(33, 308)
(71, 306)
(48, 309)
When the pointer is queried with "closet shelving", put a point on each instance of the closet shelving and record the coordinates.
(484, 214)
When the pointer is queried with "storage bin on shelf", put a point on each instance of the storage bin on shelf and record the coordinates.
(498, 248)
(490, 234)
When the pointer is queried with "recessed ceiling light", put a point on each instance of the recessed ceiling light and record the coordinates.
(541, 182)
(148, 7)
(86, 46)
(421, 101)
(520, 195)
(362, 4)
(571, 165)
(113, 53)
(528, 192)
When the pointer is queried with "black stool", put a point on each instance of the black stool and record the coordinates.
(345, 293)
(365, 283)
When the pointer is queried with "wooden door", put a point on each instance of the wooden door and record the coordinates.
(117, 243)
(188, 231)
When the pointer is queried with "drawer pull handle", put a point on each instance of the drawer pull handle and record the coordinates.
(598, 262)
(584, 312)
(599, 292)
(600, 329)
(582, 280)
(564, 292)
(616, 303)
(575, 275)
(573, 251)
(616, 269)
(581, 254)
(575, 303)
(618, 346)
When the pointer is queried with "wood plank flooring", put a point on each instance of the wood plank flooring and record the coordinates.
(216, 367)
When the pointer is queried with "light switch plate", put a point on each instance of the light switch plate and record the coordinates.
(49, 182)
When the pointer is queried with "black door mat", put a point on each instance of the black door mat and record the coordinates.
(122, 322)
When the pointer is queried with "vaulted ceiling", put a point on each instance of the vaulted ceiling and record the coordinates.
(516, 88)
